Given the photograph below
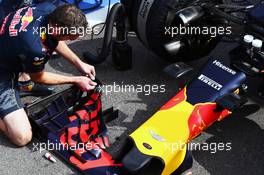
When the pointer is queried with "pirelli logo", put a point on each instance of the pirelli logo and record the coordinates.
(210, 82)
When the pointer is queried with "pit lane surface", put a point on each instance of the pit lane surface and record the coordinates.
(244, 130)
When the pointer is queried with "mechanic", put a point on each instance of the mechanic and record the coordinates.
(26, 86)
(23, 49)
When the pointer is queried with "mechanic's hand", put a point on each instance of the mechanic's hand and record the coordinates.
(85, 83)
(87, 69)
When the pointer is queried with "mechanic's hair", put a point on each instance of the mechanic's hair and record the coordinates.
(68, 16)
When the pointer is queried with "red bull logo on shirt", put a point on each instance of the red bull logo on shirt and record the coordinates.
(25, 20)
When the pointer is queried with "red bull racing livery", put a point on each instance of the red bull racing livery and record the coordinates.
(184, 117)
(77, 125)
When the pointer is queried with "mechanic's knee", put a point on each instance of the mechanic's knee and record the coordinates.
(23, 138)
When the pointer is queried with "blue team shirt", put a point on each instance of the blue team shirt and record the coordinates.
(23, 47)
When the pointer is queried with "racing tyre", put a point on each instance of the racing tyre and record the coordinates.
(148, 20)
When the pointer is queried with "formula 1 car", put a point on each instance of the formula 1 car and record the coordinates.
(207, 99)
(172, 28)
(158, 25)
(76, 125)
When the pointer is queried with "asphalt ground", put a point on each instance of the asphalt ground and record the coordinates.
(244, 130)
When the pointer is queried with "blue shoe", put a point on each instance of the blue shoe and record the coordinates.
(29, 88)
